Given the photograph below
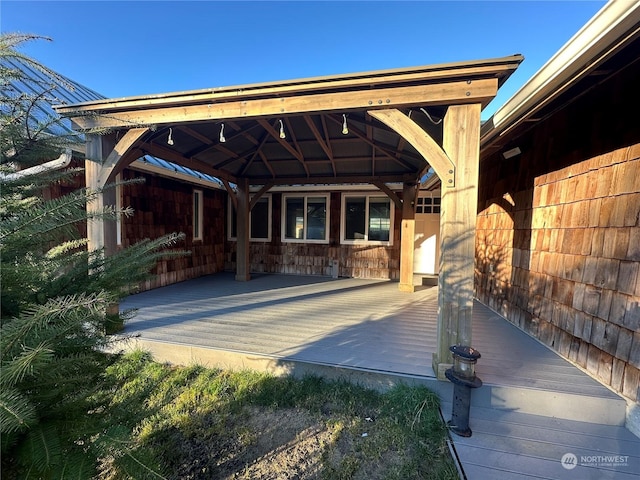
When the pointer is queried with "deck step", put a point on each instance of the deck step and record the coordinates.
(607, 409)
(514, 445)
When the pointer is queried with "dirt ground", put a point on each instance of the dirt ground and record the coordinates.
(269, 444)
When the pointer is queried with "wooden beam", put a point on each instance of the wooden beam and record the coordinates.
(493, 68)
(256, 153)
(245, 132)
(292, 134)
(265, 160)
(461, 141)
(369, 135)
(276, 135)
(316, 133)
(254, 199)
(390, 193)
(364, 179)
(476, 91)
(197, 135)
(105, 157)
(232, 194)
(390, 154)
(243, 253)
(407, 237)
(239, 132)
(421, 141)
(113, 163)
(327, 138)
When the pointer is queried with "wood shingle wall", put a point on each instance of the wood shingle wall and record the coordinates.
(558, 239)
(163, 206)
(575, 285)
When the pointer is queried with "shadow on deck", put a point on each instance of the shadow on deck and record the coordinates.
(369, 332)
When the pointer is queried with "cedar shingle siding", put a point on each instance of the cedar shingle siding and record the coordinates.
(163, 206)
(560, 254)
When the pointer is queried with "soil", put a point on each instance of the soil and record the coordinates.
(269, 444)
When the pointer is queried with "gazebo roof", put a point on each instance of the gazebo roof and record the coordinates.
(292, 132)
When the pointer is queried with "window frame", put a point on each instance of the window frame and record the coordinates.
(305, 197)
(198, 215)
(365, 241)
(230, 218)
(428, 204)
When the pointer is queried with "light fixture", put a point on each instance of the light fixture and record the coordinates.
(345, 129)
(511, 153)
(463, 377)
(282, 134)
(222, 139)
(170, 139)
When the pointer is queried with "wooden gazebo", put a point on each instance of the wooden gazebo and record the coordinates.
(366, 128)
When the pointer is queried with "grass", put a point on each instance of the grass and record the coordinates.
(159, 421)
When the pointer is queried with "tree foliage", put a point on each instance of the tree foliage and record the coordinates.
(55, 293)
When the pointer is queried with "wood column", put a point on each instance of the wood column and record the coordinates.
(104, 158)
(100, 233)
(407, 237)
(461, 143)
(243, 264)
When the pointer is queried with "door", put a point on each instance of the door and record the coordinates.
(426, 253)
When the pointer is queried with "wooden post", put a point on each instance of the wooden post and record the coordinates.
(104, 158)
(100, 233)
(407, 237)
(461, 143)
(243, 264)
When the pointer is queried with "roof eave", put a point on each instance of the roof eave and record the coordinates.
(594, 42)
(501, 68)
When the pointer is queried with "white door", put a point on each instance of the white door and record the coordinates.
(426, 253)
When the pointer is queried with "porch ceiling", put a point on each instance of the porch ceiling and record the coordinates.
(310, 112)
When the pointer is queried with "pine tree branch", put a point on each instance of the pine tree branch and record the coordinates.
(16, 412)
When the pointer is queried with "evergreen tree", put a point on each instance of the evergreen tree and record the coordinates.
(54, 292)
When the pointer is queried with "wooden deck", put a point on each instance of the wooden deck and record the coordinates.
(525, 417)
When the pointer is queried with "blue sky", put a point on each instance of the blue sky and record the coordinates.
(145, 47)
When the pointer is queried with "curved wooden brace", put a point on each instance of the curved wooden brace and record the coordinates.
(109, 167)
(421, 141)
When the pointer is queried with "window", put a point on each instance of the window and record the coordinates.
(197, 214)
(367, 219)
(259, 221)
(304, 218)
(428, 205)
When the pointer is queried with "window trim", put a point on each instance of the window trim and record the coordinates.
(305, 197)
(198, 215)
(366, 241)
(230, 210)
